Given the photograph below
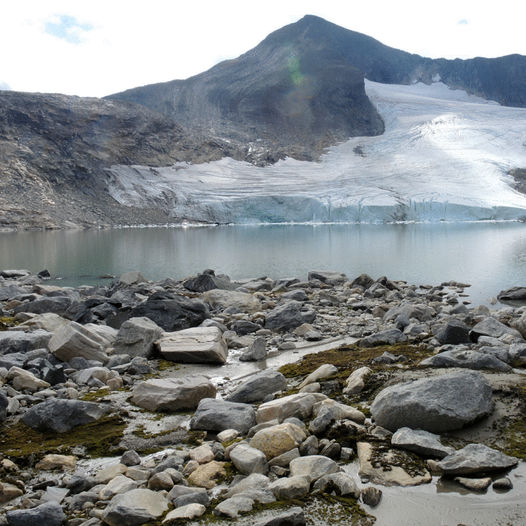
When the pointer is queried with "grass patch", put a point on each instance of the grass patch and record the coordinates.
(28, 446)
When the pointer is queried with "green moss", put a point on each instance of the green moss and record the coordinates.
(6, 322)
(96, 396)
(347, 359)
(512, 432)
(166, 365)
(27, 446)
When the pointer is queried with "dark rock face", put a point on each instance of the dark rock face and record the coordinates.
(3, 406)
(258, 387)
(453, 332)
(288, 316)
(172, 312)
(513, 294)
(61, 416)
(218, 415)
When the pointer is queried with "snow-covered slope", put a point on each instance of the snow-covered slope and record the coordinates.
(444, 156)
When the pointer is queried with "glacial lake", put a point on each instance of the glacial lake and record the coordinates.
(489, 256)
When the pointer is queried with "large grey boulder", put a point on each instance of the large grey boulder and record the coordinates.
(255, 352)
(171, 311)
(136, 337)
(60, 415)
(466, 359)
(74, 340)
(495, 329)
(135, 507)
(208, 281)
(195, 345)
(420, 442)
(341, 483)
(475, 458)
(288, 488)
(22, 342)
(47, 514)
(240, 301)
(172, 394)
(403, 313)
(437, 404)
(218, 415)
(289, 316)
(258, 387)
(56, 304)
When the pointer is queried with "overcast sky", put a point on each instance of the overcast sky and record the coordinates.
(95, 47)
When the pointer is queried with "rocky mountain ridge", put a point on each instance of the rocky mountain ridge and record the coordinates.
(296, 93)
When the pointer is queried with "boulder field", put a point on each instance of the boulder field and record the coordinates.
(171, 402)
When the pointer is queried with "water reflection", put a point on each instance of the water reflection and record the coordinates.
(489, 256)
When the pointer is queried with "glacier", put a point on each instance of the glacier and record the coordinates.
(445, 156)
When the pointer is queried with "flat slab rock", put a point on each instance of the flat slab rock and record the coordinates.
(173, 394)
(466, 359)
(195, 345)
(387, 467)
(476, 458)
(437, 404)
(135, 507)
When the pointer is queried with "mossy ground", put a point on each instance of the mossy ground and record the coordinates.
(6, 322)
(348, 359)
(513, 431)
(27, 446)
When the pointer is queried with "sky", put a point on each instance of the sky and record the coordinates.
(95, 47)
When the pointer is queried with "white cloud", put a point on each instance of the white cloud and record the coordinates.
(100, 47)
(4, 86)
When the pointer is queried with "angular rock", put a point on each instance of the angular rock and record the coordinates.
(23, 380)
(248, 460)
(61, 416)
(218, 415)
(172, 394)
(119, 484)
(74, 340)
(54, 461)
(313, 467)
(293, 487)
(338, 411)
(355, 383)
(132, 277)
(387, 337)
(284, 459)
(466, 359)
(371, 496)
(341, 483)
(289, 316)
(22, 342)
(476, 458)
(513, 294)
(276, 440)
(258, 387)
(454, 332)
(420, 442)
(491, 327)
(47, 514)
(136, 337)
(297, 405)
(172, 312)
(255, 352)
(330, 278)
(437, 404)
(206, 475)
(323, 371)
(233, 506)
(240, 301)
(135, 507)
(403, 313)
(474, 484)
(183, 514)
(195, 345)
(383, 467)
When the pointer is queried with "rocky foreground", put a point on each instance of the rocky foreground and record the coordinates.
(120, 404)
